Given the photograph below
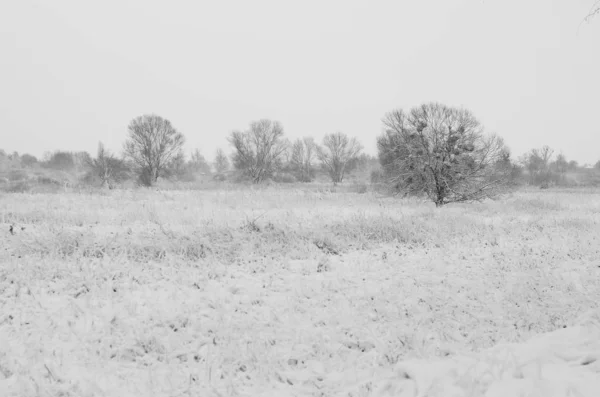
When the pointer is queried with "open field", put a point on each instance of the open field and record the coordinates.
(280, 292)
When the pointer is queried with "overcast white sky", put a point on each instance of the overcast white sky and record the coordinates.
(75, 72)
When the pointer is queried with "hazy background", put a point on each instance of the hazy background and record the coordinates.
(73, 73)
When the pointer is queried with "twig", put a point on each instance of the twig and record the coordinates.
(51, 374)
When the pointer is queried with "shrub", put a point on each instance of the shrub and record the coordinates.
(18, 187)
(359, 187)
(377, 176)
(44, 180)
(219, 178)
(17, 175)
(284, 178)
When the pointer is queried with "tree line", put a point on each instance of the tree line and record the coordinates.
(153, 149)
(432, 150)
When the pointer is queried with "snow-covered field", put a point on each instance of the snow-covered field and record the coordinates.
(291, 293)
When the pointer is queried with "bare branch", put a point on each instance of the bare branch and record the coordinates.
(594, 11)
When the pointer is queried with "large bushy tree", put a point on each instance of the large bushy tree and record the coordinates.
(443, 153)
(152, 143)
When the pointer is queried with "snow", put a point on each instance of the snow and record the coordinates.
(171, 294)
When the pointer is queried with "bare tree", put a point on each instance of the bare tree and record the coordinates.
(537, 163)
(337, 153)
(60, 160)
(301, 159)
(573, 165)
(507, 169)
(442, 152)
(4, 161)
(258, 150)
(545, 154)
(81, 160)
(152, 143)
(560, 164)
(221, 162)
(107, 167)
(198, 163)
(176, 168)
(27, 160)
(15, 159)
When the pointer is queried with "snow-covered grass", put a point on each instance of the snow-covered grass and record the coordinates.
(277, 292)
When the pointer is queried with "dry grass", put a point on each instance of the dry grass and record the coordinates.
(276, 292)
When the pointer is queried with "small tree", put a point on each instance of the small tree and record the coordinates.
(60, 160)
(337, 153)
(506, 168)
(9, 161)
(573, 165)
(221, 162)
(27, 160)
(151, 144)
(258, 150)
(176, 167)
(107, 167)
(301, 159)
(560, 164)
(364, 163)
(198, 163)
(81, 160)
(443, 153)
(537, 162)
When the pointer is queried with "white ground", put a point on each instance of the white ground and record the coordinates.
(178, 294)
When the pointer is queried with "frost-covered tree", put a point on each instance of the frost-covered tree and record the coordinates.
(443, 153)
